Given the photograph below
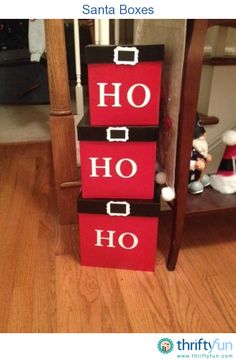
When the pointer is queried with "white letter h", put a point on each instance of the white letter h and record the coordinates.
(102, 94)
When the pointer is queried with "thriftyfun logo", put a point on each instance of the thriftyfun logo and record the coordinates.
(165, 345)
(203, 345)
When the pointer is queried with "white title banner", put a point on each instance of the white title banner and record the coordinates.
(119, 9)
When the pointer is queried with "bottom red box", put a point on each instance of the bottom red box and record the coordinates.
(118, 234)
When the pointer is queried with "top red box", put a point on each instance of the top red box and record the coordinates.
(124, 84)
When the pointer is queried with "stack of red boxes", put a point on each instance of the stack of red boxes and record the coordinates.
(119, 206)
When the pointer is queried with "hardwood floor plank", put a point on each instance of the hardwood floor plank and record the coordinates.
(147, 306)
(44, 288)
(66, 240)
(202, 259)
(26, 187)
(225, 299)
(200, 296)
(115, 317)
(182, 303)
(11, 221)
(89, 299)
(67, 295)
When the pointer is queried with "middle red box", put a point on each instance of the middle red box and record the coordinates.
(117, 162)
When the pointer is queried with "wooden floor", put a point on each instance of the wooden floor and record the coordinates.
(44, 289)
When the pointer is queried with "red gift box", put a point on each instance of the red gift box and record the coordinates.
(124, 84)
(117, 162)
(118, 234)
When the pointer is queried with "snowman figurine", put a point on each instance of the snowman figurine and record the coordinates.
(199, 158)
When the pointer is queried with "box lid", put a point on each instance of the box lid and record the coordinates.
(128, 207)
(125, 54)
(85, 132)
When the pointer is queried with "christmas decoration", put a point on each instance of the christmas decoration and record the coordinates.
(199, 157)
(167, 192)
(119, 205)
(224, 180)
(119, 233)
(124, 84)
(114, 160)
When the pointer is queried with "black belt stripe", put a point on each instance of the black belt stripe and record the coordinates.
(148, 208)
(85, 132)
(105, 54)
(226, 165)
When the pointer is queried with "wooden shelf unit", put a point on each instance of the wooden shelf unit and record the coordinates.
(210, 201)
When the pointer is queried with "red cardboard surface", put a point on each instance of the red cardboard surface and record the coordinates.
(135, 83)
(118, 242)
(129, 172)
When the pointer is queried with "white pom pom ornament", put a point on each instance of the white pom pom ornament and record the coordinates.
(160, 178)
(229, 138)
(168, 193)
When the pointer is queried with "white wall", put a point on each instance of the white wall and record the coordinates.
(217, 97)
(205, 89)
(171, 33)
(222, 101)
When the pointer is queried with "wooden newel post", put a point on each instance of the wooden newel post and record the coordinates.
(61, 122)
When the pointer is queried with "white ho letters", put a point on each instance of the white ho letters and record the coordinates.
(126, 240)
(116, 95)
(106, 167)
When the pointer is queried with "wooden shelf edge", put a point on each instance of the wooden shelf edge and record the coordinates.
(209, 201)
(220, 61)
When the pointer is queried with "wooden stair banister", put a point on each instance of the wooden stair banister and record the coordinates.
(61, 122)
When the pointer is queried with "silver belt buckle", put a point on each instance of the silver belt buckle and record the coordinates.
(118, 208)
(126, 55)
(117, 134)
